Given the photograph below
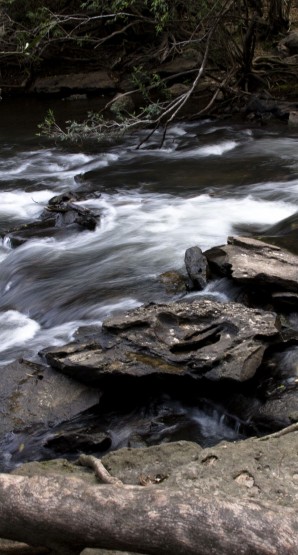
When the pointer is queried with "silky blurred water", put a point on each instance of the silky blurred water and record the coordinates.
(209, 180)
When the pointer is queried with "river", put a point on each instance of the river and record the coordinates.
(209, 180)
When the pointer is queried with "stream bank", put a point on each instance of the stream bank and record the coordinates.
(263, 470)
(209, 182)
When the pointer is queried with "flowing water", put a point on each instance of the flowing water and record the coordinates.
(208, 180)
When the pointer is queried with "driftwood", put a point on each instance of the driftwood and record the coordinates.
(67, 514)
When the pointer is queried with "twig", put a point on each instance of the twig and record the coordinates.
(100, 471)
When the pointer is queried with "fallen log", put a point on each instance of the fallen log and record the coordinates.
(67, 514)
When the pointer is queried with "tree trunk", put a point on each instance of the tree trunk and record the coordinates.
(69, 514)
(279, 14)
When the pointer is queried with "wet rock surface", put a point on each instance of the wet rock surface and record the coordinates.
(62, 214)
(253, 262)
(201, 338)
(246, 355)
(197, 268)
(32, 395)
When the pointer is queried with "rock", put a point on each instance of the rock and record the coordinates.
(46, 228)
(78, 441)
(160, 461)
(206, 84)
(278, 389)
(246, 469)
(32, 394)
(264, 469)
(178, 89)
(62, 199)
(69, 213)
(290, 42)
(265, 108)
(249, 261)
(122, 104)
(8, 547)
(280, 410)
(55, 467)
(66, 212)
(61, 213)
(95, 81)
(89, 551)
(285, 302)
(74, 97)
(293, 119)
(201, 338)
(197, 268)
(191, 59)
(284, 234)
(174, 282)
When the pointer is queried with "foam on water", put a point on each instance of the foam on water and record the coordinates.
(214, 150)
(166, 221)
(90, 275)
(84, 277)
(25, 329)
(16, 329)
(41, 164)
(170, 149)
(18, 204)
(278, 190)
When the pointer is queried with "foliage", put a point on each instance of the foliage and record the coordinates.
(145, 34)
(96, 126)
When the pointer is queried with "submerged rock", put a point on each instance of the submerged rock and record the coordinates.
(201, 339)
(174, 282)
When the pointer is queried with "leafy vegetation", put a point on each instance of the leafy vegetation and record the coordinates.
(137, 38)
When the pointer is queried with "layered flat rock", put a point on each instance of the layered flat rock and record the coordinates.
(79, 82)
(201, 339)
(249, 260)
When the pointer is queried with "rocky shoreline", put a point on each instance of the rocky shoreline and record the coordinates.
(263, 470)
(239, 354)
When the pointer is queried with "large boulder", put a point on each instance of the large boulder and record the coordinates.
(202, 338)
(250, 261)
(32, 395)
(264, 469)
(289, 45)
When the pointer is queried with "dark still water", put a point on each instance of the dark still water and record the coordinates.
(210, 179)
